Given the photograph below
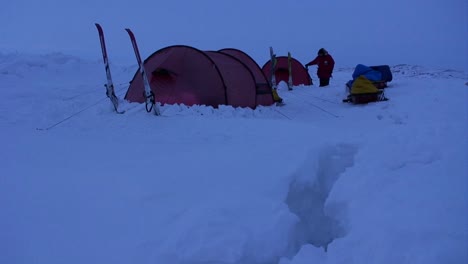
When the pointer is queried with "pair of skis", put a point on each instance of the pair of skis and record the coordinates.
(274, 61)
(273, 69)
(290, 82)
(110, 91)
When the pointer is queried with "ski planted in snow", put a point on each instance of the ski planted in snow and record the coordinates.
(290, 82)
(273, 68)
(110, 92)
(149, 95)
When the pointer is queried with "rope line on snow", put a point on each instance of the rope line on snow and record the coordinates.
(72, 115)
(318, 107)
(301, 99)
(325, 100)
(82, 110)
(278, 111)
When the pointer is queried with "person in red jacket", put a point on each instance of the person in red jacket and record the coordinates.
(325, 64)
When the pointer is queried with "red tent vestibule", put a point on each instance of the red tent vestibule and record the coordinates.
(300, 75)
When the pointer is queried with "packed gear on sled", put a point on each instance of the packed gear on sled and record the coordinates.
(363, 91)
(378, 75)
(386, 76)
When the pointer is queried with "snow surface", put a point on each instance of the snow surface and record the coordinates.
(314, 181)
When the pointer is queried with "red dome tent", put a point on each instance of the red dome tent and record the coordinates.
(264, 95)
(300, 75)
(185, 75)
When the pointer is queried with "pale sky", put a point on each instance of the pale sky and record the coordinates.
(423, 32)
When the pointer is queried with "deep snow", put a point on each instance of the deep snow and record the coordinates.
(314, 181)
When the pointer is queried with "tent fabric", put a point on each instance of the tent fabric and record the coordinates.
(264, 91)
(300, 75)
(185, 75)
(238, 79)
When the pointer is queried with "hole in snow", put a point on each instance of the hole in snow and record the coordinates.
(309, 191)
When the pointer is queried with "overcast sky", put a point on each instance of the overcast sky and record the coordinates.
(424, 32)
